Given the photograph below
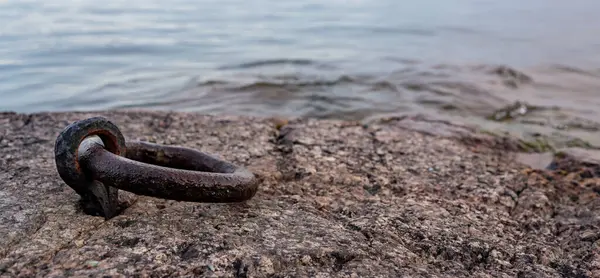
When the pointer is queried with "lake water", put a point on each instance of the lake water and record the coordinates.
(348, 59)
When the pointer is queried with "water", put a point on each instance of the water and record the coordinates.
(349, 59)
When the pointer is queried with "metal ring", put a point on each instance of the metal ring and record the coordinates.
(168, 172)
(171, 172)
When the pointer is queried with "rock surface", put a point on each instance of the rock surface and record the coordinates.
(337, 199)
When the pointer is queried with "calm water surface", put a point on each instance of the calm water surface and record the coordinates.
(350, 59)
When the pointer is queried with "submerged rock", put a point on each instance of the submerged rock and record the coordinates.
(512, 111)
(337, 199)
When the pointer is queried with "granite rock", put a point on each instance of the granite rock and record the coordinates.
(337, 199)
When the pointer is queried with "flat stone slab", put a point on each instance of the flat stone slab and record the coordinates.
(337, 199)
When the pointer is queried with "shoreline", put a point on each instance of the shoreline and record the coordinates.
(396, 196)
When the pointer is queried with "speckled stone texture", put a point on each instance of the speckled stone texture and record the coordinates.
(396, 198)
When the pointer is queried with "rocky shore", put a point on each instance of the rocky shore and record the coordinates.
(400, 197)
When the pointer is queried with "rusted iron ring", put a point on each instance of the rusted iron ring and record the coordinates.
(95, 167)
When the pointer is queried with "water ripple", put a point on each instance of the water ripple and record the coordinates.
(346, 59)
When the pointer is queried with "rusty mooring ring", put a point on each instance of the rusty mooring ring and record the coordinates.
(96, 169)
